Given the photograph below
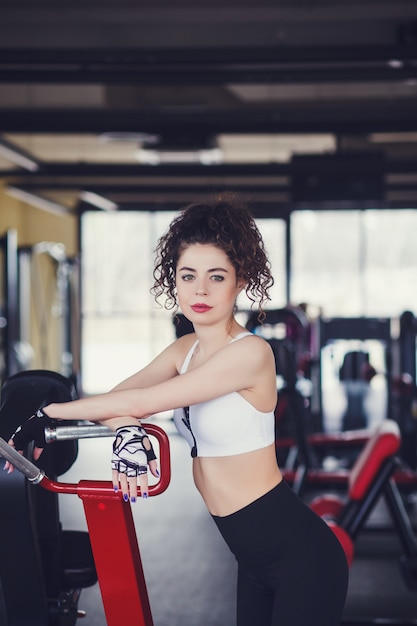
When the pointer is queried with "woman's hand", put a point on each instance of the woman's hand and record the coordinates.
(31, 430)
(132, 453)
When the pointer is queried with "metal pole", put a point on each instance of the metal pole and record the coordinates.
(32, 473)
(63, 433)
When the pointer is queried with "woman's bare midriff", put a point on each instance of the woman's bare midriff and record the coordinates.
(229, 483)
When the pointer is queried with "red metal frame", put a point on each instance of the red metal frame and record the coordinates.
(114, 542)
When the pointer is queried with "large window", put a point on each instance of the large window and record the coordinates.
(122, 327)
(273, 234)
(390, 261)
(355, 263)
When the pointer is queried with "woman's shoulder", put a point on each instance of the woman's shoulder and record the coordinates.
(255, 340)
(254, 345)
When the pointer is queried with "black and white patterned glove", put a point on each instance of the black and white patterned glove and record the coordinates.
(32, 430)
(132, 451)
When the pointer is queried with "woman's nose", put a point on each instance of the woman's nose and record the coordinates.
(201, 288)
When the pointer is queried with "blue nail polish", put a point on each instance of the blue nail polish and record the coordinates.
(116, 488)
(125, 497)
(133, 499)
(145, 496)
(157, 473)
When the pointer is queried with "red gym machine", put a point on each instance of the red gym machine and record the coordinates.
(125, 599)
(372, 477)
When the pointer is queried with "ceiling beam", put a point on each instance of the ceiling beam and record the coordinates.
(36, 200)
(346, 117)
(109, 171)
(17, 156)
(281, 64)
(116, 174)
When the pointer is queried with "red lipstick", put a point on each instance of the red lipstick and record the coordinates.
(200, 308)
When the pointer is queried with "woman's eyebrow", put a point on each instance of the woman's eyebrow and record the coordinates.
(186, 269)
(213, 269)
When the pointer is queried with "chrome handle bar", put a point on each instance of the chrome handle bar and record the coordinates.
(28, 469)
(63, 433)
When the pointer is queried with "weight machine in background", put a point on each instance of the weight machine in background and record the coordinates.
(404, 388)
(39, 308)
(360, 353)
(9, 311)
(49, 306)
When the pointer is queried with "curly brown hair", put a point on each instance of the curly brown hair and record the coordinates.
(226, 222)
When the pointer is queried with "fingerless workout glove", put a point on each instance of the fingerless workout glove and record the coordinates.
(132, 451)
(33, 430)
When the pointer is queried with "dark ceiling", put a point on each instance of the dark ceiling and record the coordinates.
(308, 103)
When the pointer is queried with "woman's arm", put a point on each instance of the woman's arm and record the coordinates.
(246, 364)
(163, 367)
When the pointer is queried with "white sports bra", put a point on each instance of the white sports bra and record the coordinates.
(226, 425)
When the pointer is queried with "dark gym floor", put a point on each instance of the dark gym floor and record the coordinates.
(189, 572)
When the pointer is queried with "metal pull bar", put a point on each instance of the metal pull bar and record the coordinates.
(85, 431)
(32, 473)
(35, 475)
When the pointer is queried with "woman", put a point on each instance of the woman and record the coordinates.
(220, 381)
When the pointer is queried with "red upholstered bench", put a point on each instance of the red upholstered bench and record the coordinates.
(366, 481)
(316, 477)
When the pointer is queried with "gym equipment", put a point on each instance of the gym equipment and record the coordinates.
(182, 325)
(301, 450)
(49, 294)
(408, 348)
(53, 565)
(404, 388)
(355, 375)
(21, 290)
(287, 332)
(9, 305)
(125, 598)
(298, 446)
(400, 391)
(370, 478)
(356, 372)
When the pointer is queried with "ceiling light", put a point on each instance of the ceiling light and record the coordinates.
(396, 64)
(393, 137)
(17, 156)
(37, 201)
(181, 147)
(100, 202)
(128, 137)
(211, 157)
(158, 157)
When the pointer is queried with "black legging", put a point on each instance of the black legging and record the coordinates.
(292, 570)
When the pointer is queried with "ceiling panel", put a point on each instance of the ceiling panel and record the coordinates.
(264, 81)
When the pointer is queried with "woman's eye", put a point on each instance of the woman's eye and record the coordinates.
(217, 278)
(187, 277)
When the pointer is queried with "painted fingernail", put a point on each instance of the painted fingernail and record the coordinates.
(116, 488)
(133, 499)
(145, 496)
(125, 497)
(157, 473)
